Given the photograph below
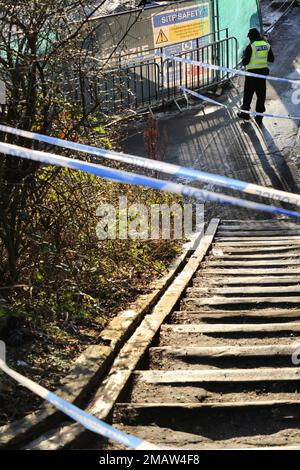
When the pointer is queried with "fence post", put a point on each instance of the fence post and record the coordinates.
(2, 93)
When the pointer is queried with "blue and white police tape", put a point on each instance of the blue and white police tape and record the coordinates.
(87, 420)
(236, 108)
(174, 170)
(187, 91)
(227, 69)
(138, 180)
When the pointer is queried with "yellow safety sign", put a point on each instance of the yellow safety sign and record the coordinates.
(181, 24)
(161, 38)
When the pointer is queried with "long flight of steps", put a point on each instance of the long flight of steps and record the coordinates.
(224, 371)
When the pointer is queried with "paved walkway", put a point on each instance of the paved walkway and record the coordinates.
(215, 140)
(287, 64)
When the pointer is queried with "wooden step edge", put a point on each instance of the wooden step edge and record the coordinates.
(232, 328)
(219, 300)
(199, 406)
(225, 351)
(188, 376)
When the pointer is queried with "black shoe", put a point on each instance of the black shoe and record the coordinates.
(244, 116)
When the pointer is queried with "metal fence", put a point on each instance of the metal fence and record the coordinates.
(153, 81)
(177, 74)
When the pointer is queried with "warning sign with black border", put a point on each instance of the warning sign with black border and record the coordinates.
(183, 24)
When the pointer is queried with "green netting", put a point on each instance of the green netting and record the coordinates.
(239, 16)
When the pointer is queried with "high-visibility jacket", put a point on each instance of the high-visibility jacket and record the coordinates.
(259, 58)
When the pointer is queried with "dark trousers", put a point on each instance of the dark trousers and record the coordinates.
(258, 86)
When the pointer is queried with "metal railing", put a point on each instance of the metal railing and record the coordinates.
(176, 74)
(134, 86)
(151, 81)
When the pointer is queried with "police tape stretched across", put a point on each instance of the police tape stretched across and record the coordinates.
(169, 168)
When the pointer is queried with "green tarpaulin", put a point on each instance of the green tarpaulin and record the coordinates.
(238, 16)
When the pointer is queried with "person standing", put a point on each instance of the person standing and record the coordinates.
(256, 58)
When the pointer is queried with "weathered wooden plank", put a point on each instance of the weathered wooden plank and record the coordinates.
(257, 234)
(158, 408)
(267, 232)
(218, 300)
(249, 271)
(202, 315)
(203, 280)
(224, 351)
(269, 256)
(275, 262)
(201, 291)
(220, 375)
(255, 243)
(259, 249)
(271, 220)
(232, 328)
(266, 239)
(257, 227)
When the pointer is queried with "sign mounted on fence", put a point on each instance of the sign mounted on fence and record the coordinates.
(184, 24)
(135, 32)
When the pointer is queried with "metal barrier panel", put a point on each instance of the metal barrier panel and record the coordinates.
(133, 87)
(153, 81)
(196, 78)
(193, 77)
